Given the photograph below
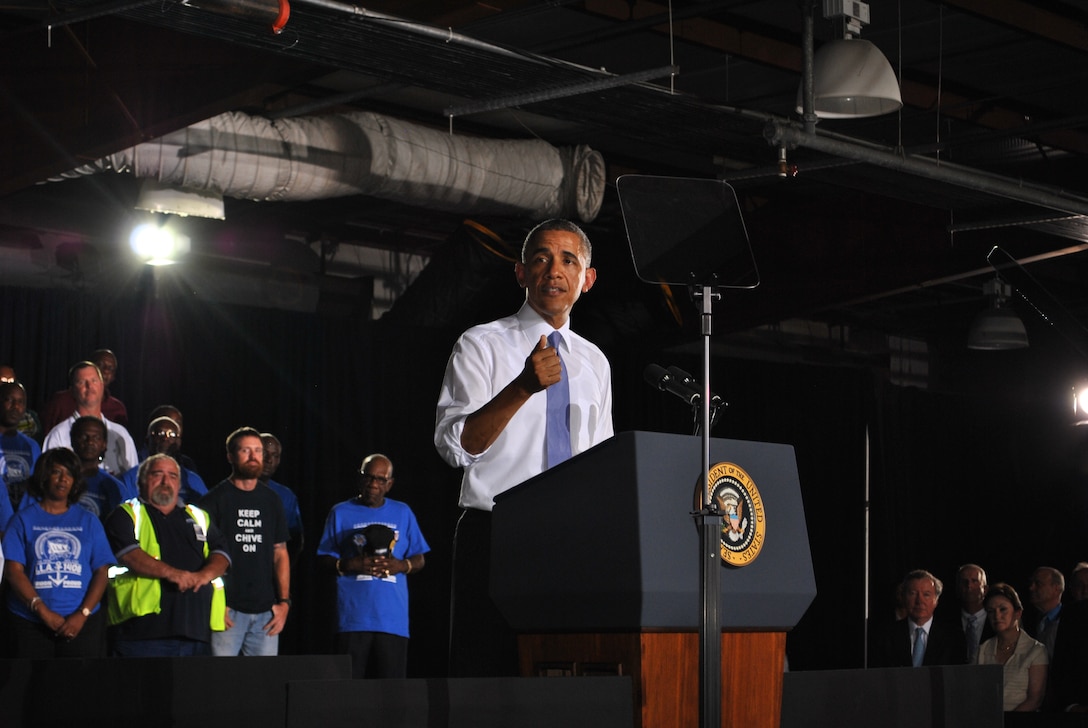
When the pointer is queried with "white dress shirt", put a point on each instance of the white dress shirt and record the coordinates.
(914, 632)
(120, 453)
(973, 639)
(485, 359)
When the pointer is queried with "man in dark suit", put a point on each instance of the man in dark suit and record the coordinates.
(1043, 620)
(1067, 686)
(918, 640)
(971, 589)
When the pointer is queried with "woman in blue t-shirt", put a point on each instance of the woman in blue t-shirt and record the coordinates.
(57, 562)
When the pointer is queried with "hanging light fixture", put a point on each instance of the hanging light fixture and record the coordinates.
(997, 328)
(173, 200)
(851, 78)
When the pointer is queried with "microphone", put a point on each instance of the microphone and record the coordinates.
(689, 381)
(661, 378)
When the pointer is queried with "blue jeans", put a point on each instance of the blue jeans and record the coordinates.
(246, 637)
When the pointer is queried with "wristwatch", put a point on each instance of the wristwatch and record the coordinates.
(85, 612)
(284, 600)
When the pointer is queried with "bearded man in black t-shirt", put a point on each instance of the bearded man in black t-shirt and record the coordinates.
(258, 585)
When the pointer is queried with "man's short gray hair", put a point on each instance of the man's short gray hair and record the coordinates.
(938, 585)
(141, 473)
(563, 226)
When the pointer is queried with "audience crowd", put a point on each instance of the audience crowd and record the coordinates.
(73, 526)
(1041, 642)
(110, 550)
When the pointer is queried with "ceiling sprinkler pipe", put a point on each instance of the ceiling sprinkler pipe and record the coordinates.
(272, 14)
(790, 135)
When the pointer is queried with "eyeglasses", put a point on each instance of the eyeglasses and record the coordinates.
(378, 478)
(165, 434)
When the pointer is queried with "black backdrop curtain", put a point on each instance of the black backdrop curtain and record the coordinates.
(304, 377)
(954, 478)
(990, 480)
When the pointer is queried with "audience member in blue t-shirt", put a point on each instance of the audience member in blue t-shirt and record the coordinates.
(18, 453)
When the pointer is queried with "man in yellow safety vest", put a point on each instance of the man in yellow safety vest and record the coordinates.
(166, 597)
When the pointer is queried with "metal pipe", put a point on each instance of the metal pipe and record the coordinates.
(558, 92)
(1022, 221)
(866, 547)
(62, 20)
(808, 82)
(964, 275)
(780, 133)
(444, 34)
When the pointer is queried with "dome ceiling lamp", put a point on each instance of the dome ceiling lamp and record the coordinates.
(848, 78)
(998, 328)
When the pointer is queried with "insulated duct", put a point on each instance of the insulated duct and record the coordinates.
(361, 153)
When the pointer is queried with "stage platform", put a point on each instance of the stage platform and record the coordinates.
(309, 691)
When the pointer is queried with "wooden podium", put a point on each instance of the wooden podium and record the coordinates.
(595, 563)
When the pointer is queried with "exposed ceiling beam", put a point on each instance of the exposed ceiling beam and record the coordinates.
(1028, 17)
(111, 84)
(752, 45)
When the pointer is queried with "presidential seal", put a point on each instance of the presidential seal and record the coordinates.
(744, 523)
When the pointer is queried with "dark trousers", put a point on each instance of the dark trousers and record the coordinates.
(481, 642)
(165, 647)
(36, 641)
(374, 654)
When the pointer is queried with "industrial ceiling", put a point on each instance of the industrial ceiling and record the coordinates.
(879, 225)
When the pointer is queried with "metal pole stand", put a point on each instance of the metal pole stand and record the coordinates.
(709, 520)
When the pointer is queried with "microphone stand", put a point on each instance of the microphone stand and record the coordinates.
(710, 239)
(709, 519)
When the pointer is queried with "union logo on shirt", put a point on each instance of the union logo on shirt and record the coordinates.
(15, 467)
(57, 561)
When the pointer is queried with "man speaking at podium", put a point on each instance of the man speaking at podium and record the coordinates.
(520, 395)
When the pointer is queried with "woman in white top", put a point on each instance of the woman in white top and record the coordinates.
(1024, 658)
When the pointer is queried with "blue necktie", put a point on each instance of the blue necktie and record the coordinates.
(919, 652)
(557, 437)
(972, 638)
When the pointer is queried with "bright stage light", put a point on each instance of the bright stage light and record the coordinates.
(1080, 405)
(158, 244)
